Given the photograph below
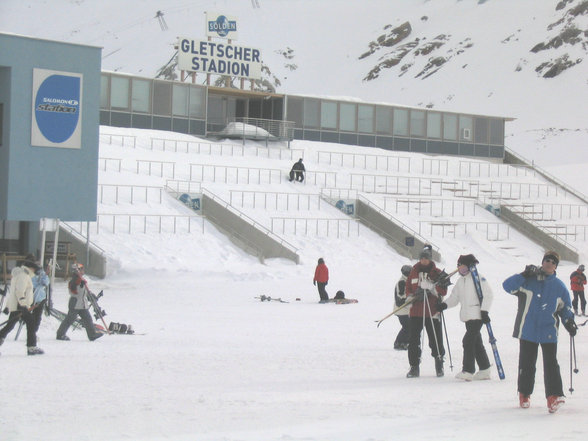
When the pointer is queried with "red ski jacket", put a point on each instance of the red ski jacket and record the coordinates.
(321, 273)
(578, 280)
(417, 274)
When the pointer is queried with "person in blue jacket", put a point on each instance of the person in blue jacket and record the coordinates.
(543, 300)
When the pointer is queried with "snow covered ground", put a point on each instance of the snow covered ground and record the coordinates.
(214, 363)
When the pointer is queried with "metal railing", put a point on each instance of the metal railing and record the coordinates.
(123, 140)
(147, 223)
(495, 231)
(547, 175)
(132, 193)
(317, 226)
(431, 207)
(103, 163)
(152, 166)
(234, 175)
(249, 220)
(274, 200)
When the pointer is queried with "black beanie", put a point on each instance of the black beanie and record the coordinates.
(467, 260)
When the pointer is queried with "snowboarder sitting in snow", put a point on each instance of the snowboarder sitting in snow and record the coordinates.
(79, 304)
(543, 301)
(297, 171)
(474, 316)
(422, 289)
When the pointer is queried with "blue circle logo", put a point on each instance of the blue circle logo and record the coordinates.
(57, 107)
(222, 26)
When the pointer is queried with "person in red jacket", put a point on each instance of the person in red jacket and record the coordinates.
(577, 281)
(321, 278)
(424, 292)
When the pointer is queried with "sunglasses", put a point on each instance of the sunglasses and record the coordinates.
(549, 260)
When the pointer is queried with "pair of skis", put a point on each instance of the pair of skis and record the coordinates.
(492, 339)
(264, 298)
(411, 300)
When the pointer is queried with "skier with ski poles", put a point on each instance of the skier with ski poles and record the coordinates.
(79, 304)
(577, 282)
(543, 300)
(424, 285)
(20, 304)
(474, 314)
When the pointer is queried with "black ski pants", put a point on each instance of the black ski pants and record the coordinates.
(71, 316)
(433, 328)
(579, 295)
(13, 318)
(322, 290)
(404, 334)
(527, 362)
(473, 348)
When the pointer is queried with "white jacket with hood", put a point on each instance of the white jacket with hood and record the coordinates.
(464, 292)
(21, 288)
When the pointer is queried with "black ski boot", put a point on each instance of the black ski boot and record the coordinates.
(414, 372)
(439, 366)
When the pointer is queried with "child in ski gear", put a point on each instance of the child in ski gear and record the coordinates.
(401, 342)
(474, 316)
(321, 279)
(20, 304)
(577, 281)
(79, 304)
(543, 301)
(297, 171)
(423, 291)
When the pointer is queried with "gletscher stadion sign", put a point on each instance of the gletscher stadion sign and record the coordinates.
(219, 58)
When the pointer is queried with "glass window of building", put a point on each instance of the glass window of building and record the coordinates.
(365, 118)
(328, 115)
(481, 130)
(119, 92)
(197, 102)
(180, 99)
(433, 125)
(383, 120)
(162, 94)
(466, 127)
(417, 123)
(141, 95)
(104, 91)
(496, 131)
(311, 113)
(450, 127)
(348, 117)
(401, 122)
(294, 109)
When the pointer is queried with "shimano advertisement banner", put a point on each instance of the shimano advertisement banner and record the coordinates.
(219, 58)
(221, 26)
(56, 109)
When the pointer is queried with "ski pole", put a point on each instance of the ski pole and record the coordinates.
(447, 339)
(426, 302)
(571, 376)
(575, 359)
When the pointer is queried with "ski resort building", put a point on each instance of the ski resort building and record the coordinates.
(131, 101)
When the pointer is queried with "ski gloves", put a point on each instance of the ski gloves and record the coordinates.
(485, 317)
(443, 281)
(571, 327)
(530, 270)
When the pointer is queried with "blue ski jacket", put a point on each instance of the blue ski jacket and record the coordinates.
(543, 301)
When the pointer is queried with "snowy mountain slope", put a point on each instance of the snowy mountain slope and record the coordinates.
(490, 67)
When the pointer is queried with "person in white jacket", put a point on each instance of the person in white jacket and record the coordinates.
(20, 304)
(474, 315)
